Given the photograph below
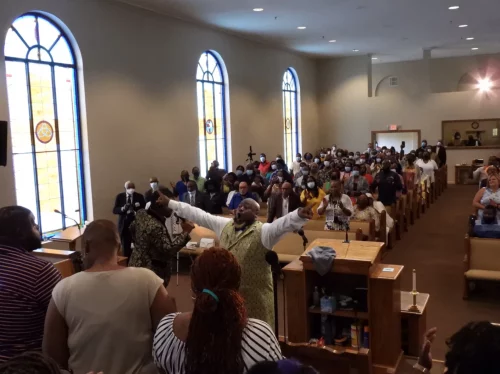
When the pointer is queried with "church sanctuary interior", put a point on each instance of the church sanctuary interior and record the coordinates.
(249, 186)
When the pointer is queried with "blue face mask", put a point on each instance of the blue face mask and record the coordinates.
(355, 173)
(348, 169)
(249, 172)
(238, 172)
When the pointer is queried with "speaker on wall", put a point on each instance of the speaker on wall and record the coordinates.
(3, 143)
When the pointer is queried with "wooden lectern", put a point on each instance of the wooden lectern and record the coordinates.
(356, 272)
(70, 236)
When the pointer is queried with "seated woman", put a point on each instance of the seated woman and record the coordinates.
(258, 187)
(379, 208)
(363, 172)
(217, 337)
(272, 169)
(364, 212)
(338, 208)
(491, 170)
(411, 173)
(155, 244)
(428, 166)
(356, 184)
(312, 195)
(104, 318)
(488, 196)
(347, 172)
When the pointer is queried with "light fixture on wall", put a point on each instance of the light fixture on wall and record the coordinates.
(462, 26)
(374, 58)
(484, 84)
(453, 7)
(474, 48)
(332, 41)
(470, 38)
(355, 50)
(301, 27)
(258, 9)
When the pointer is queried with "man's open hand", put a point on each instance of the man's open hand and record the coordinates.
(163, 200)
(306, 213)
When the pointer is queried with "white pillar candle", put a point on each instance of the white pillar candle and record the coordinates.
(414, 280)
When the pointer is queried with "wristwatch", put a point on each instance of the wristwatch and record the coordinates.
(420, 368)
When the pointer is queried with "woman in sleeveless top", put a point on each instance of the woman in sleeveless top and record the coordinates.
(489, 195)
(217, 337)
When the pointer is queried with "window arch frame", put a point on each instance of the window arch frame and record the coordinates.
(295, 146)
(76, 104)
(224, 85)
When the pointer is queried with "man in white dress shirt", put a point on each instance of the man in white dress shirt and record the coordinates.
(248, 240)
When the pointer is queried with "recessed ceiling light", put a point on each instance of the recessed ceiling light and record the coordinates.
(475, 48)
(301, 27)
(332, 41)
(258, 9)
(470, 38)
(461, 26)
(374, 58)
(355, 50)
(453, 7)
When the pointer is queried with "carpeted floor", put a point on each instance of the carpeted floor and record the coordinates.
(434, 246)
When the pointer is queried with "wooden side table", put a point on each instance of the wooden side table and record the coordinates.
(413, 324)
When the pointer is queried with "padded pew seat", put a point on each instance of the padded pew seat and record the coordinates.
(483, 275)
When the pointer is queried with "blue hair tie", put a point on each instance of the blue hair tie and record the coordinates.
(216, 298)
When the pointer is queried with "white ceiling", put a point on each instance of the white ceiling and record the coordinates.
(392, 30)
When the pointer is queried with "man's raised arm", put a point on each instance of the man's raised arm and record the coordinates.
(272, 232)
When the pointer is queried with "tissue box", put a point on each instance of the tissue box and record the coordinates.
(207, 243)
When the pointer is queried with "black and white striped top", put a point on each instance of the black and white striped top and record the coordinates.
(259, 344)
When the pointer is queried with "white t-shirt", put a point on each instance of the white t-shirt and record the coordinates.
(109, 320)
(333, 211)
(427, 168)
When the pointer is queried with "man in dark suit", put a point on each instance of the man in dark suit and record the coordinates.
(440, 154)
(126, 204)
(196, 198)
(283, 202)
(149, 196)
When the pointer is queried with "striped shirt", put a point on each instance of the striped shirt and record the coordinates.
(26, 284)
(258, 344)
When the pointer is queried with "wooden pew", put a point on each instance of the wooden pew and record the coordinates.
(367, 227)
(290, 247)
(481, 261)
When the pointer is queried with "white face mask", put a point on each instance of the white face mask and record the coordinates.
(339, 154)
(278, 158)
(192, 192)
(348, 169)
(393, 170)
(379, 159)
(298, 159)
(238, 172)
(130, 191)
(280, 179)
(316, 160)
(362, 161)
(262, 159)
(305, 172)
(322, 155)
(439, 144)
(154, 185)
(327, 163)
(311, 184)
(351, 157)
(249, 172)
(274, 166)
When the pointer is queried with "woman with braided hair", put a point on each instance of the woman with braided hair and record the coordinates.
(217, 337)
(30, 363)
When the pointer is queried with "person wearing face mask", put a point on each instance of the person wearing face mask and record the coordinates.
(275, 184)
(264, 165)
(394, 169)
(216, 173)
(377, 164)
(364, 212)
(282, 202)
(279, 159)
(258, 187)
(337, 206)
(196, 198)
(487, 226)
(440, 154)
(301, 179)
(242, 194)
(227, 187)
(411, 173)
(350, 155)
(299, 173)
(363, 171)
(324, 175)
(296, 164)
(346, 174)
(369, 149)
(26, 282)
(281, 167)
(317, 160)
(126, 205)
(158, 236)
(180, 187)
(388, 184)
(249, 240)
(200, 181)
(240, 173)
(423, 145)
(272, 170)
(315, 173)
(357, 156)
(322, 155)
(309, 158)
(428, 166)
(312, 196)
(214, 197)
(249, 174)
(155, 186)
(356, 184)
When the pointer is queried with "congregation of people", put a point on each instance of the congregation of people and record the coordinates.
(119, 319)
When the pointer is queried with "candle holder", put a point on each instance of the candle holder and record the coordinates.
(414, 308)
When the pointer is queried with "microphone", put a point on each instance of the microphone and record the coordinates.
(68, 217)
(179, 218)
(304, 238)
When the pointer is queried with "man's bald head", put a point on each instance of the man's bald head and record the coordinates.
(286, 189)
(251, 204)
(247, 212)
(101, 239)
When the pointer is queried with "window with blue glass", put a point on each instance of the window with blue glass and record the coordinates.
(212, 121)
(42, 85)
(290, 115)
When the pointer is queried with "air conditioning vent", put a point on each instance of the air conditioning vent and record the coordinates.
(393, 81)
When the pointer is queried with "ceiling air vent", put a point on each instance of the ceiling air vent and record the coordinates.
(393, 81)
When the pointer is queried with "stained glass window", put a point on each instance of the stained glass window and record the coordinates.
(290, 115)
(211, 96)
(44, 121)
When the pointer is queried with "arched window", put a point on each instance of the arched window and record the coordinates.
(290, 89)
(212, 113)
(44, 109)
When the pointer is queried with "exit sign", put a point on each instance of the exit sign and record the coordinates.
(393, 127)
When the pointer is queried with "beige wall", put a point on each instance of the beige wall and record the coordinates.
(420, 101)
(139, 73)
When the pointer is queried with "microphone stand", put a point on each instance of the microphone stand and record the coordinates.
(71, 219)
(275, 297)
